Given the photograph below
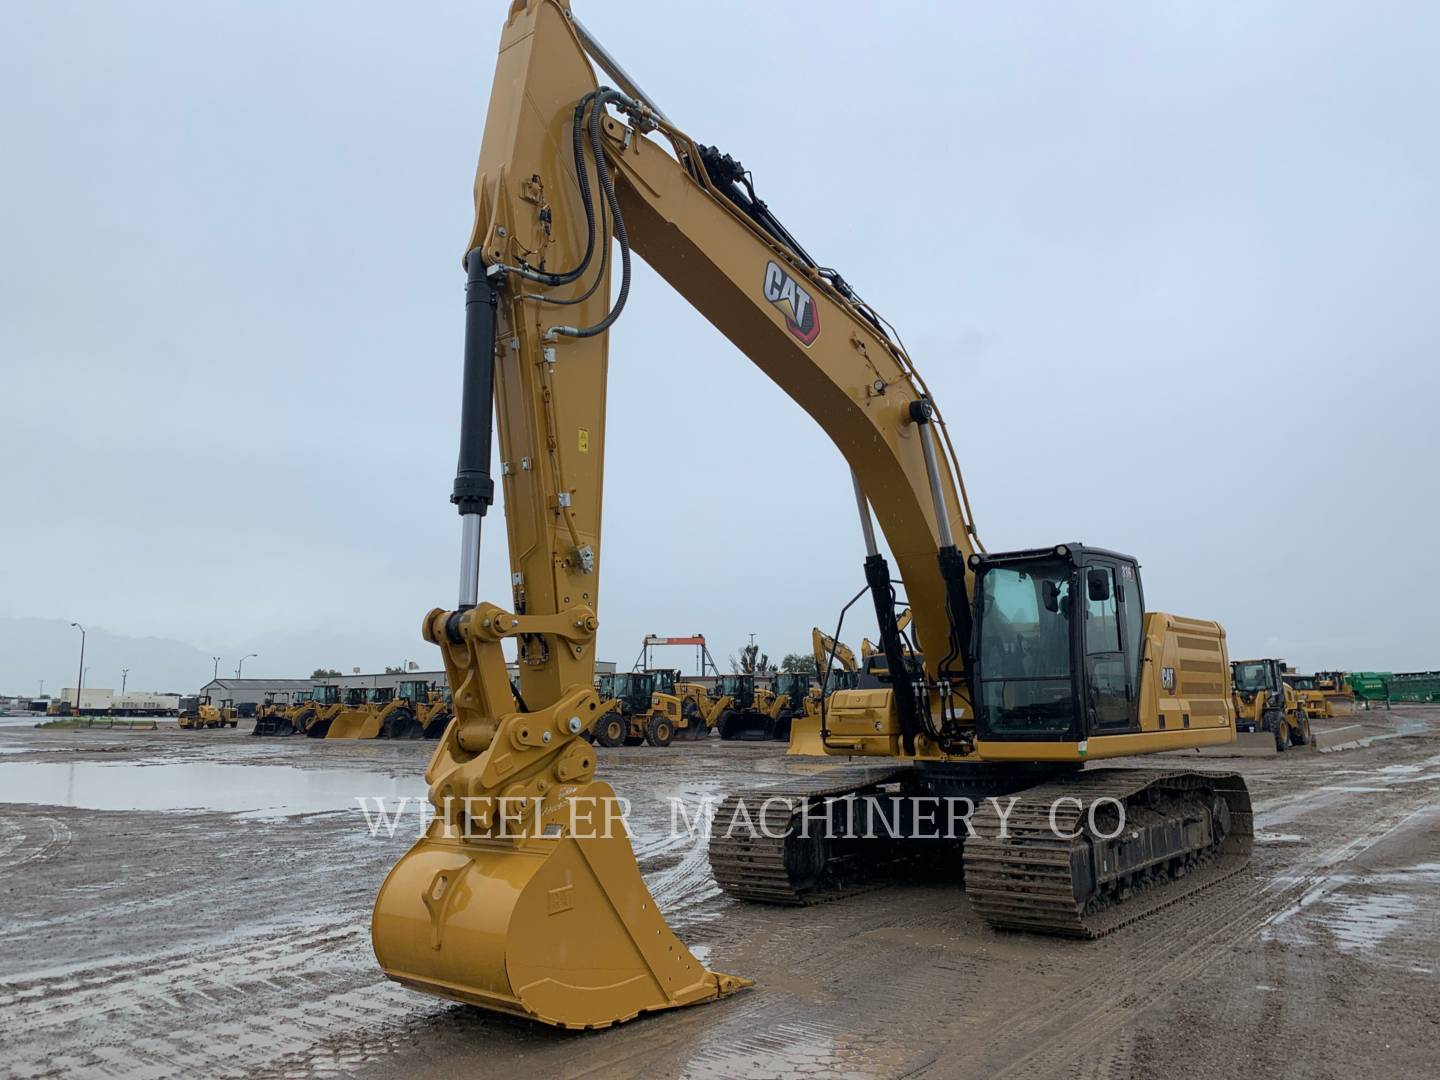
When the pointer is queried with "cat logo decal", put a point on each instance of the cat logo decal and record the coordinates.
(801, 317)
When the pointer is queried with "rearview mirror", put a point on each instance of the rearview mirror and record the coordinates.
(1098, 584)
(1050, 595)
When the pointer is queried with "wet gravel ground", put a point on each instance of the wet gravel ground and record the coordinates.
(223, 930)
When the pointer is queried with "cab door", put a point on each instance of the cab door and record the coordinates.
(1109, 699)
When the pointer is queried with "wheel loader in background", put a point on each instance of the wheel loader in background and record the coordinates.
(1308, 695)
(436, 713)
(199, 712)
(273, 715)
(404, 715)
(360, 718)
(324, 706)
(1029, 668)
(302, 707)
(188, 715)
(805, 730)
(1339, 694)
(382, 712)
(627, 717)
(1264, 701)
(782, 702)
(691, 710)
(740, 719)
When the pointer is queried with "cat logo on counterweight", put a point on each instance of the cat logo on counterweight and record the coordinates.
(801, 318)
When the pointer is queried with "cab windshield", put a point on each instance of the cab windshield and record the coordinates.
(1251, 677)
(1026, 687)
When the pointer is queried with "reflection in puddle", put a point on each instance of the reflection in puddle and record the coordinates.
(1364, 921)
(250, 790)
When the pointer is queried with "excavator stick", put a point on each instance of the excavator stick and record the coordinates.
(524, 895)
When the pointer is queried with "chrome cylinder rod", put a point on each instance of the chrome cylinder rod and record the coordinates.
(611, 67)
(866, 525)
(469, 560)
(932, 471)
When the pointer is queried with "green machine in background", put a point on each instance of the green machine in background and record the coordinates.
(1415, 686)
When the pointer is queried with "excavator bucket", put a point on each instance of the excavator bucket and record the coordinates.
(558, 929)
(355, 724)
(805, 737)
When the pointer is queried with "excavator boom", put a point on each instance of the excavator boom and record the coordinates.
(516, 899)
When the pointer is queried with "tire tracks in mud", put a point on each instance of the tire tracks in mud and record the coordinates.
(26, 838)
(195, 1014)
(1232, 914)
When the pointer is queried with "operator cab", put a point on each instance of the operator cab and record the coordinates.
(1057, 645)
(739, 687)
(797, 685)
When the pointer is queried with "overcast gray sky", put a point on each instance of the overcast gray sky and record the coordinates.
(1170, 270)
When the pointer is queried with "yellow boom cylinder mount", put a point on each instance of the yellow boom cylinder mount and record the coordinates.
(524, 895)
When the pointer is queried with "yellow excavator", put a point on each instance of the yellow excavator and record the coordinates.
(805, 730)
(902, 622)
(1030, 665)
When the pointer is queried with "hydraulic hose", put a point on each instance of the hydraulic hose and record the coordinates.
(607, 185)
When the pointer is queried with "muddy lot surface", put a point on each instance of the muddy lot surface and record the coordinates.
(197, 904)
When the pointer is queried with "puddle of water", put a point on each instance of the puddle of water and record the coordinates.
(21, 721)
(1279, 838)
(1363, 922)
(249, 790)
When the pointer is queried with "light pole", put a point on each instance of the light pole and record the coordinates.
(81, 679)
(240, 665)
(124, 674)
(214, 675)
